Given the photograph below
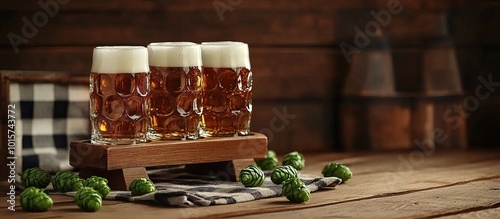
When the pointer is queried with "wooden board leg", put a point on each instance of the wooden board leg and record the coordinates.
(238, 165)
(226, 170)
(118, 179)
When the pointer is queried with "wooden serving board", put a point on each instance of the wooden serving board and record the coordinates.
(123, 163)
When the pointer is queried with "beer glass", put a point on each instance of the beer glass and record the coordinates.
(227, 87)
(176, 93)
(119, 85)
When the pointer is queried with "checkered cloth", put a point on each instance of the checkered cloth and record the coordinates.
(48, 118)
(187, 190)
(174, 187)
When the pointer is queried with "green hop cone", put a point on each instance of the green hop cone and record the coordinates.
(88, 199)
(66, 181)
(141, 186)
(83, 191)
(337, 170)
(299, 195)
(280, 174)
(30, 191)
(271, 153)
(34, 199)
(291, 184)
(26, 194)
(99, 184)
(294, 159)
(252, 176)
(97, 179)
(295, 190)
(35, 177)
(270, 162)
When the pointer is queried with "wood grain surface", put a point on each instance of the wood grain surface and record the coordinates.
(407, 184)
(83, 154)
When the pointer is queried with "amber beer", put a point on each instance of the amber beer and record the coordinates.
(227, 85)
(176, 93)
(119, 85)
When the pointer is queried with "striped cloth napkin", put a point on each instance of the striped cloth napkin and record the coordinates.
(187, 190)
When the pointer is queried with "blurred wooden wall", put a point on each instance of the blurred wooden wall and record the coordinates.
(296, 59)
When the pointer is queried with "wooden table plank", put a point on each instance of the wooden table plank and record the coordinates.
(376, 176)
(488, 213)
(422, 204)
(366, 187)
(395, 161)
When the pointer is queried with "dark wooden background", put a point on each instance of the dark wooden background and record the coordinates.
(294, 46)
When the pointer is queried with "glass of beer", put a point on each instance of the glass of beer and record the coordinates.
(227, 87)
(176, 93)
(119, 85)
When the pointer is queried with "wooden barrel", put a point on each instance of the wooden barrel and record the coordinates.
(375, 123)
(379, 112)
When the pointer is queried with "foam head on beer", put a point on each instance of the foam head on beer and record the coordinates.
(225, 54)
(174, 54)
(120, 59)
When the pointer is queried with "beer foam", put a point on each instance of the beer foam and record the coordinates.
(174, 54)
(120, 59)
(225, 54)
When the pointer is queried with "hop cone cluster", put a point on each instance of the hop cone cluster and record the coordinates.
(66, 181)
(291, 184)
(295, 190)
(280, 174)
(337, 170)
(294, 159)
(252, 176)
(34, 199)
(88, 199)
(99, 184)
(141, 186)
(270, 162)
(292, 187)
(299, 195)
(35, 177)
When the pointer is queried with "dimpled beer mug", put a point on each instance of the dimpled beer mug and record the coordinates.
(119, 85)
(176, 92)
(227, 87)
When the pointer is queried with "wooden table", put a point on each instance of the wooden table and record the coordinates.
(410, 184)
